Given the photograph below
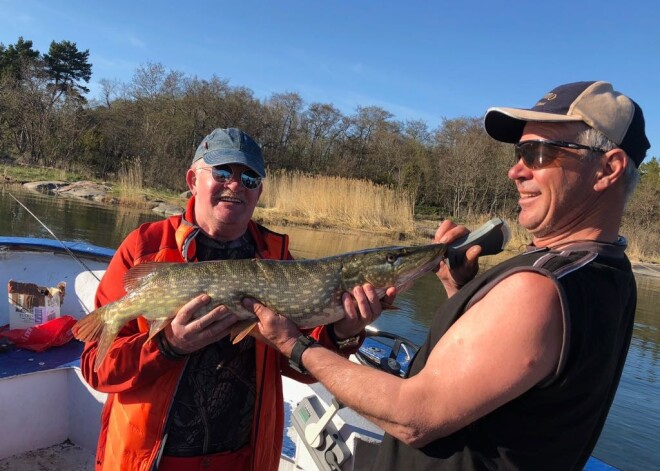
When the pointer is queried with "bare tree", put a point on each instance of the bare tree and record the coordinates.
(323, 126)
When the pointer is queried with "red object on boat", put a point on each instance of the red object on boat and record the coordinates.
(40, 337)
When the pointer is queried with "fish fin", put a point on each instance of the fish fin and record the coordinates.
(241, 329)
(107, 336)
(90, 327)
(134, 277)
(158, 325)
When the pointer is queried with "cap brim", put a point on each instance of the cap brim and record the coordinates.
(507, 124)
(226, 156)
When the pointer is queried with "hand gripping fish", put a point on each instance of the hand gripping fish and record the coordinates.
(308, 292)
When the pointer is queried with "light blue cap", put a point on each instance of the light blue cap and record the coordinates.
(231, 146)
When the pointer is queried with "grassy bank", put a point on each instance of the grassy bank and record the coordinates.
(294, 198)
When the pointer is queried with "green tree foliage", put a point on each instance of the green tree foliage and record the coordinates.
(65, 67)
(41, 100)
(15, 58)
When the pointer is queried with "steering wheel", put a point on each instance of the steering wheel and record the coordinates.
(371, 356)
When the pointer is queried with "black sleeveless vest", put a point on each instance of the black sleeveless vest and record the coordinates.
(555, 425)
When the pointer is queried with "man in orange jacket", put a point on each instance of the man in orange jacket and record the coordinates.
(189, 399)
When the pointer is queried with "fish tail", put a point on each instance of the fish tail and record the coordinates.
(90, 327)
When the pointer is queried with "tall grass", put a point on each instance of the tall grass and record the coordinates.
(130, 180)
(335, 201)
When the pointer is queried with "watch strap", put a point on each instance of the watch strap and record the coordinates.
(302, 343)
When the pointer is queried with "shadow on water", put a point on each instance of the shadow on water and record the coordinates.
(630, 438)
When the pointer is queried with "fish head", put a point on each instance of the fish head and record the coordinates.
(391, 266)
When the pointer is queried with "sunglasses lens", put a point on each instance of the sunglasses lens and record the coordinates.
(222, 174)
(535, 155)
(250, 180)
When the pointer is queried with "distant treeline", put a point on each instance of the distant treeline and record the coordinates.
(160, 116)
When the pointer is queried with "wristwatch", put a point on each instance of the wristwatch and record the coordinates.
(302, 344)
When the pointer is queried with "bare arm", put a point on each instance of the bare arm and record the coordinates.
(504, 345)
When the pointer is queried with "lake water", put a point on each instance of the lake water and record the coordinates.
(631, 437)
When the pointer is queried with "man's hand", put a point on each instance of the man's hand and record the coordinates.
(272, 328)
(362, 308)
(186, 334)
(452, 279)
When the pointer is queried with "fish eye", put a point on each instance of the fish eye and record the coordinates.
(391, 258)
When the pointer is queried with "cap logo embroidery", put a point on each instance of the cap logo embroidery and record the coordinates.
(548, 97)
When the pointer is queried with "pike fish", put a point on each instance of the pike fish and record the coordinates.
(308, 292)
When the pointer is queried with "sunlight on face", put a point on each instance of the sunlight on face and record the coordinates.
(553, 200)
(222, 210)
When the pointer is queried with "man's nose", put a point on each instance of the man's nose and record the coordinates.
(233, 184)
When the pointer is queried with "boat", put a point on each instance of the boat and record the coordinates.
(49, 416)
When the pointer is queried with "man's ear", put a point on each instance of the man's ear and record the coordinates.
(191, 180)
(611, 169)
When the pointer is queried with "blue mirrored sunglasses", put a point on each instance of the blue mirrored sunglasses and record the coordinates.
(224, 173)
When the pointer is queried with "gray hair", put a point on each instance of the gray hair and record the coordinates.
(593, 138)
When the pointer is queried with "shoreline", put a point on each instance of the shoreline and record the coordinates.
(651, 270)
(101, 193)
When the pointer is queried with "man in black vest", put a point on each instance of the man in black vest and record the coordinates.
(521, 363)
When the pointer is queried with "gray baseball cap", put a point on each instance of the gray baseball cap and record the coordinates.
(231, 146)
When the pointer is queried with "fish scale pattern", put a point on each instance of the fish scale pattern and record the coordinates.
(309, 292)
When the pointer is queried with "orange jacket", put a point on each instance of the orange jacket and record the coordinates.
(141, 382)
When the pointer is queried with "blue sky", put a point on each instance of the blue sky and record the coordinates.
(416, 59)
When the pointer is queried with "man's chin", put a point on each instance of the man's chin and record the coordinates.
(533, 227)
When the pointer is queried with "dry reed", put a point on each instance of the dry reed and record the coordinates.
(130, 180)
(336, 201)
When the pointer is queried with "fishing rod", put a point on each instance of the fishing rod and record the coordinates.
(75, 257)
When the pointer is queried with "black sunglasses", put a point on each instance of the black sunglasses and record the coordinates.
(539, 154)
(224, 173)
